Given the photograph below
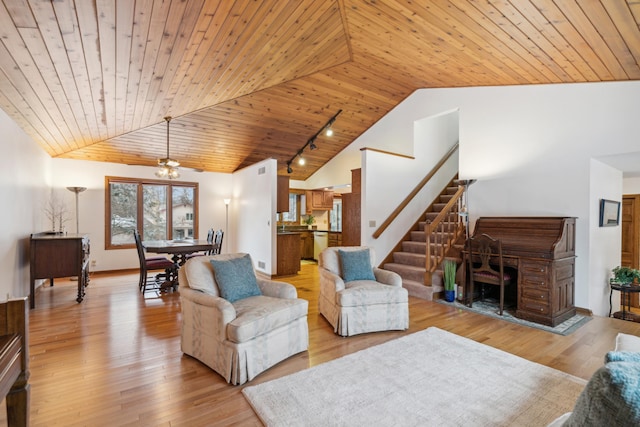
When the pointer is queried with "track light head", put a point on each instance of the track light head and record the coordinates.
(311, 142)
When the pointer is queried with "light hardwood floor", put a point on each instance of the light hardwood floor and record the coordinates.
(115, 359)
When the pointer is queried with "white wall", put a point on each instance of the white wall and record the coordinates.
(254, 214)
(605, 243)
(213, 188)
(530, 147)
(24, 189)
(388, 179)
(631, 185)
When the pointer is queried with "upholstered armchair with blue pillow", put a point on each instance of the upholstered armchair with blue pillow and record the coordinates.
(235, 322)
(356, 297)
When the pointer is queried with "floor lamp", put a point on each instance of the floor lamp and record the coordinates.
(77, 190)
(226, 226)
(465, 183)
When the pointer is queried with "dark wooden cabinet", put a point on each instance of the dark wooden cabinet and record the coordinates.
(306, 245)
(545, 290)
(351, 216)
(288, 254)
(335, 238)
(282, 198)
(543, 251)
(56, 255)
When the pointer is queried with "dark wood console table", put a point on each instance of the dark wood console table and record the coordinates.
(542, 249)
(58, 255)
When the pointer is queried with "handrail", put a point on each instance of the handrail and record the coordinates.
(444, 234)
(414, 192)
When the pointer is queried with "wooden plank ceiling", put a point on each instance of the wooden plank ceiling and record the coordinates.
(249, 80)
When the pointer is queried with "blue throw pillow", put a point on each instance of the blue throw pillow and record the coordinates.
(235, 277)
(356, 265)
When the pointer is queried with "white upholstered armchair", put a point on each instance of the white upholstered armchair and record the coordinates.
(356, 297)
(238, 331)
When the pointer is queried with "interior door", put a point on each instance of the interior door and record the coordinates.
(630, 254)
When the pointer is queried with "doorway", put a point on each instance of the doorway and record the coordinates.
(630, 253)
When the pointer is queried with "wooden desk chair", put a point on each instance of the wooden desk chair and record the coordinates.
(152, 264)
(489, 250)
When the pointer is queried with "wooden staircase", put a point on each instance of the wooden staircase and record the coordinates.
(446, 240)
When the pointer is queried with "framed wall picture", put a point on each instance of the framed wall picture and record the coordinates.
(609, 213)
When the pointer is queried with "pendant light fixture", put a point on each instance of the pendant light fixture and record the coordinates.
(168, 166)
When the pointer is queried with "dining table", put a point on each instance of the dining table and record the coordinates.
(179, 249)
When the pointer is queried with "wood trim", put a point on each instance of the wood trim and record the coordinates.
(414, 192)
(391, 153)
(140, 182)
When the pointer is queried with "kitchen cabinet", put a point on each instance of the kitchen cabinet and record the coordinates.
(351, 216)
(288, 254)
(335, 238)
(319, 200)
(306, 245)
(282, 198)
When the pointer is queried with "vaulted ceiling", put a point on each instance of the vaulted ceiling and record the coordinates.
(248, 80)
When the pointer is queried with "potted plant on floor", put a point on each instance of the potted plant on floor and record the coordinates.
(450, 280)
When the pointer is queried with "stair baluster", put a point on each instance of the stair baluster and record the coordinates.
(441, 234)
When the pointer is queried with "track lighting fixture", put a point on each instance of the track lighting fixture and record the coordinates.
(311, 142)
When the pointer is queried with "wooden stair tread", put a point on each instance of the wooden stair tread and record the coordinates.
(409, 262)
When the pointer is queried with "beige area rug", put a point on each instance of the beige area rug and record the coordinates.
(429, 378)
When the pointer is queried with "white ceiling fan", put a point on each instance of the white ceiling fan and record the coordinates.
(168, 167)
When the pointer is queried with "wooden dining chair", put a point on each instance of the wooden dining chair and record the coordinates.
(152, 264)
(216, 246)
(491, 269)
(210, 240)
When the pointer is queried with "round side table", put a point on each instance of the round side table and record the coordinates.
(625, 289)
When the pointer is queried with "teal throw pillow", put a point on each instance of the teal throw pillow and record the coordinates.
(622, 356)
(356, 265)
(610, 398)
(235, 277)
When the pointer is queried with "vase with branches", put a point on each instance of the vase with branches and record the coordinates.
(56, 212)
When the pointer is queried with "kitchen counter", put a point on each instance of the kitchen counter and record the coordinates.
(288, 254)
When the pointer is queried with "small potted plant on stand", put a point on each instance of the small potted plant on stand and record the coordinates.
(450, 280)
(625, 276)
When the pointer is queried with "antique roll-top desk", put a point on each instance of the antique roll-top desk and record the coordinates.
(542, 249)
(59, 255)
